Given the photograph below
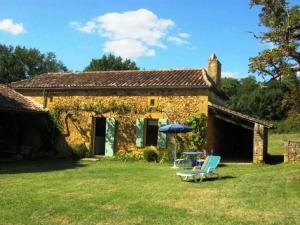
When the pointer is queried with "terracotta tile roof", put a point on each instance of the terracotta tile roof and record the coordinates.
(11, 100)
(238, 114)
(119, 79)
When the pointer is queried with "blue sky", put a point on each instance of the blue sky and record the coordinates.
(157, 34)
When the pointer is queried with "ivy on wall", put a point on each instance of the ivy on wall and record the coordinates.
(98, 108)
(55, 116)
(198, 135)
(75, 111)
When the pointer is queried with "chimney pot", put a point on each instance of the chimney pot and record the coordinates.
(214, 69)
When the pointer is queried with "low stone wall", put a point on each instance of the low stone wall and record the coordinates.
(292, 152)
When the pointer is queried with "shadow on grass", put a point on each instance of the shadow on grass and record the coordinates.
(209, 179)
(221, 178)
(222, 165)
(38, 166)
(274, 159)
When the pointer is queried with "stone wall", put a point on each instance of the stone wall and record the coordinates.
(292, 152)
(176, 106)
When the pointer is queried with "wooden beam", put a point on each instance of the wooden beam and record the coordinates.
(230, 120)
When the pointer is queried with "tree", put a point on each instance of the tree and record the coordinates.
(248, 84)
(230, 86)
(292, 101)
(283, 34)
(20, 63)
(267, 103)
(271, 102)
(10, 68)
(111, 62)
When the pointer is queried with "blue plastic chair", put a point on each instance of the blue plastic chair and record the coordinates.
(198, 173)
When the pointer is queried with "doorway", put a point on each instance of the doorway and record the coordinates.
(151, 132)
(99, 135)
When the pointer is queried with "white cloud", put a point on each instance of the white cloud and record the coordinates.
(9, 26)
(184, 35)
(141, 25)
(177, 40)
(128, 48)
(131, 34)
(231, 74)
(88, 27)
(269, 45)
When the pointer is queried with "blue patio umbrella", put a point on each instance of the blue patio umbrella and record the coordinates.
(175, 129)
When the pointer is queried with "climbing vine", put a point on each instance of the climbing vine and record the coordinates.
(55, 116)
(99, 108)
(198, 135)
(73, 111)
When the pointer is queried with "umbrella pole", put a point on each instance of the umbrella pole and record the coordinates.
(174, 165)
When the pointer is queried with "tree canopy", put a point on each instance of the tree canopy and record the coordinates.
(230, 86)
(271, 102)
(111, 62)
(20, 63)
(283, 35)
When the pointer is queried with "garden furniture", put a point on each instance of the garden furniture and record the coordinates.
(199, 172)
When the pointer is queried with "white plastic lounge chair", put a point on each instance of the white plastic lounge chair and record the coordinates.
(198, 173)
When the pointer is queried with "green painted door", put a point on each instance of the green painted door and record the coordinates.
(110, 136)
(162, 137)
(139, 133)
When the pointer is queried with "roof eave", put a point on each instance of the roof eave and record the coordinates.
(107, 88)
(240, 115)
(24, 111)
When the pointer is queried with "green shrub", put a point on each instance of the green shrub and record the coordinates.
(167, 155)
(150, 154)
(129, 156)
(79, 150)
(289, 125)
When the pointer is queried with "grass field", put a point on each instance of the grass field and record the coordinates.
(276, 142)
(114, 192)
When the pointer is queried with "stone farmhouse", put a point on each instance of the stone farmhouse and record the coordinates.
(111, 111)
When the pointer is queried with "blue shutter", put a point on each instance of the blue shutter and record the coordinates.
(110, 136)
(139, 133)
(162, 137)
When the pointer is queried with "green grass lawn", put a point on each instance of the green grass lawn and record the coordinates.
(276, 142)
(114, 192)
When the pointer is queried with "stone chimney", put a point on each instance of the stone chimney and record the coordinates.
(214, 69)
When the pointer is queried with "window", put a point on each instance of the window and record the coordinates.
(151, 132)
(152, 102)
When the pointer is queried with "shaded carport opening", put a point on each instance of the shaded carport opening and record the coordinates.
(232, 142)
(22, 133)
(231, 136)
